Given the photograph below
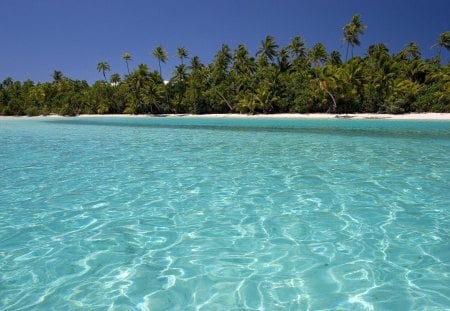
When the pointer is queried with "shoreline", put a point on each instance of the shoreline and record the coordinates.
(358, 116)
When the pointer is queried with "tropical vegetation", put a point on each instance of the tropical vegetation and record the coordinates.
(293, 78)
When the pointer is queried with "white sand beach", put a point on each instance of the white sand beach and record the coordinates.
(407, 116)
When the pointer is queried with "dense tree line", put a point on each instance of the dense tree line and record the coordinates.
(294, 78)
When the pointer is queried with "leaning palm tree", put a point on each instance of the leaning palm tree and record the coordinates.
(182, 53)
(317, 56)
(161, 55)
(443, 41)
(268, 48)
(326, 78)
(352, 31)
(103, 67)
(127, 57)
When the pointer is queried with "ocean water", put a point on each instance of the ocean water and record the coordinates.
(224, 214)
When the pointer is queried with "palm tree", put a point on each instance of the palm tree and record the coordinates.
(326, 77)
(127, 57)
(180, 74)
(115, 79)
(443, 41)
(179, 82)
(318, 54)
(161, 55)
(268, 48)
(335, 58)
(135, 82)
(7, 82)
(283, 60)
(297, 47)
(377, 51)
(220, 65)
(410, 52)
(352, 31)
(103, 67)
(182, 53)
(242, 62)
(57, 76)
(140, 77)
(195, 64)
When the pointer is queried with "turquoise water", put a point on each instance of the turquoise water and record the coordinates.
(224, 214)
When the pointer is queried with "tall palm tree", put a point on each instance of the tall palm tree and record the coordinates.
(161, 55)
(268, 48)
(182, 53)
(443, 41)
(127, 57)
(352, 31)
(103, 67)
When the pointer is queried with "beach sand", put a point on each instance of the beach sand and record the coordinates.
(408, 116)
(411, 116)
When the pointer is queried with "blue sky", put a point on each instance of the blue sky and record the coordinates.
(40, 36)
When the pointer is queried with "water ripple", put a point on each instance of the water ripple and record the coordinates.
(163, 215)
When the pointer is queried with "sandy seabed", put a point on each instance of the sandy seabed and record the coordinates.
(407, 116)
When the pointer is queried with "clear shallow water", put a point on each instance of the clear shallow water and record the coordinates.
(224, 214)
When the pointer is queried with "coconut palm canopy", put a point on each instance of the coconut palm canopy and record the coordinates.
(296, 77)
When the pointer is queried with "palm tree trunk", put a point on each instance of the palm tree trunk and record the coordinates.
(225, 100)
(160, 72)
(165, 89)
(346, 53)
(332, 98)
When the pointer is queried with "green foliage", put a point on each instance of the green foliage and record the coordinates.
(293, 78)
(352, 31)
(103, 67)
